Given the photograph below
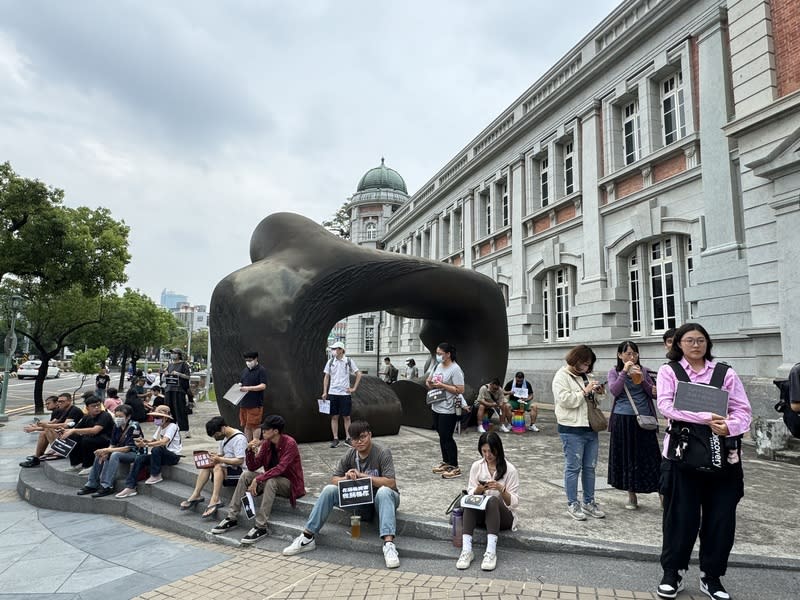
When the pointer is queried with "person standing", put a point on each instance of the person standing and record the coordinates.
(177, 378)
(697, 501)
(336, 388)
(412, 371)
(101, 383)
(572, 390)
(253, 381)
(445, 386)
(634, 458)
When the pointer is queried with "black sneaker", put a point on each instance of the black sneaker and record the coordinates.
(334, 443)
(32, 461)
(671, 584)
(224, 525)
(712, 587)
(102, 492)
(255, 534)
(348, 442)
(86, 490)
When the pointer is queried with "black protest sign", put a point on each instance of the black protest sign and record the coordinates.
(355, 492)
(63, 447)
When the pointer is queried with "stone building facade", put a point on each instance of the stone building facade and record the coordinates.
(650, 177)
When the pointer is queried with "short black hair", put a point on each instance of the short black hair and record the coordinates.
(89, 398)
(387, 359)
(113, 392)
(273, 422)
(495, 381)
(357, 428)
(215, 425)
(669, 333)
(125, 409)
(519, 375)
(250, 354)
(156, 388)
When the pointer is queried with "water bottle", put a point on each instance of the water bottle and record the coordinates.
(458, 526)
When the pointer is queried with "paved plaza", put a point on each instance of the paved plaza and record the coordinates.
(50, 554)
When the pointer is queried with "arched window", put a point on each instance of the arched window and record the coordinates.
(371, 231)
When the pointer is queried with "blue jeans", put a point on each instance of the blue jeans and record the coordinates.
(580, 458)
(158, 456)
(105, 472)
(386, 503)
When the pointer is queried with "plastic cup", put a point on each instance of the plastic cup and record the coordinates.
(355, 526)
(636, 376)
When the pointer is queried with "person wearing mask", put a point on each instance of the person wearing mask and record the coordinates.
(445, 388)
(412, 371)
(572, 390)
(700, 502)
(121, 450)
(336, 388)
(164, 449)
(253, 381)
(497, 478)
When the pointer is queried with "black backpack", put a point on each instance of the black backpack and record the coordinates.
(790, 418)
(393, 372)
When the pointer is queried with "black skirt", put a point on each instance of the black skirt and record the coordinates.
(634, 456)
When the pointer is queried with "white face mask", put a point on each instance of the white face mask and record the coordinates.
(250, 363)
(439, 358)
(158, 422)
(119, 421)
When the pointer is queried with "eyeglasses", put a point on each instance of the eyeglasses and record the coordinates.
(363, 437)
(694, 341)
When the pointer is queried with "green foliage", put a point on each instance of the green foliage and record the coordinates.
(339, 224)
(89, 362)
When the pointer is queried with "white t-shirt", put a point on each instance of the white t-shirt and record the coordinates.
(234, 446)
(451, 375)
(171, 431)
(340, 372)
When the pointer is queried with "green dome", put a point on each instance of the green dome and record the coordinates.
(382, 178)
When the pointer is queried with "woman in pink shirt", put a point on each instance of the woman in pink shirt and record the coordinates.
(696, 500)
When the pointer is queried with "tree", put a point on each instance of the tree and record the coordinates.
(200, 345)
(29, 223)
(131, 324)
(339, 224)
(89, 362)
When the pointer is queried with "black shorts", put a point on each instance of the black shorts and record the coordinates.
(341, 405)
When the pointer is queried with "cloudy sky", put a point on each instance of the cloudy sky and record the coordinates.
(193, 120)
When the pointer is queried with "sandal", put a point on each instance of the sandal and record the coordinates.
(188, 504)
(211, 509)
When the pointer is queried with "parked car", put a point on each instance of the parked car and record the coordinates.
(31, 369)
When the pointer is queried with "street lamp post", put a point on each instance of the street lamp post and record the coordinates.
(10, 347)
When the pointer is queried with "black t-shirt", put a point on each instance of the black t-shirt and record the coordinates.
(104, 419)
(137, 406)
(158, 401)
(250, 377)
(101, 381)
(73, 413)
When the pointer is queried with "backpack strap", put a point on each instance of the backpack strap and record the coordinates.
(718, 378)
(680, 372)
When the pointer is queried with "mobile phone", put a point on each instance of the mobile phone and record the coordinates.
(482, 481)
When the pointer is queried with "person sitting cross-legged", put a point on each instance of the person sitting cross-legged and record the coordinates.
(63, 411)
(226, 465)
(122, 449)
(364, 460)
(278, 455)
(165, 448)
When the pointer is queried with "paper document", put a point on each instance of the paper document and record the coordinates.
(698, 397)
(234, 395)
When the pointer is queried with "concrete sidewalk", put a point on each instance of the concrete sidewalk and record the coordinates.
(623, 543)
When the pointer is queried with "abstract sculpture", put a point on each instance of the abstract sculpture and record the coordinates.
(303, 280)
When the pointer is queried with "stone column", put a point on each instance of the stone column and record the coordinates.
(467, 213)
(516, 191)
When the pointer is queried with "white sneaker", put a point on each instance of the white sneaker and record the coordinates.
(593, 510)
(481, 429)
(127, 493)
(85, 471)
(465, 560)
(533, 427)
(574, 511)
(154, 479)
(505, 428)
(489, 561)
(300, 544)
(390, 555)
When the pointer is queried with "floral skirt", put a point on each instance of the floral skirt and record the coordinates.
(634, 456)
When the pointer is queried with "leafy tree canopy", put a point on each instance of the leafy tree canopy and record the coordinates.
(339, 223)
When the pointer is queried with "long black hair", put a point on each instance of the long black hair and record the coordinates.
(676, 352)
(625, 346)
(496, 446)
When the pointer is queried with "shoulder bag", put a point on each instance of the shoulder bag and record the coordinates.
(597, 419)
(645, 421)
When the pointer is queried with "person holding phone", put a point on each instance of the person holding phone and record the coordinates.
(572, 388)
(492, 476)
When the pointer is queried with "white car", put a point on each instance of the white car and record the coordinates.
(31, 369)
